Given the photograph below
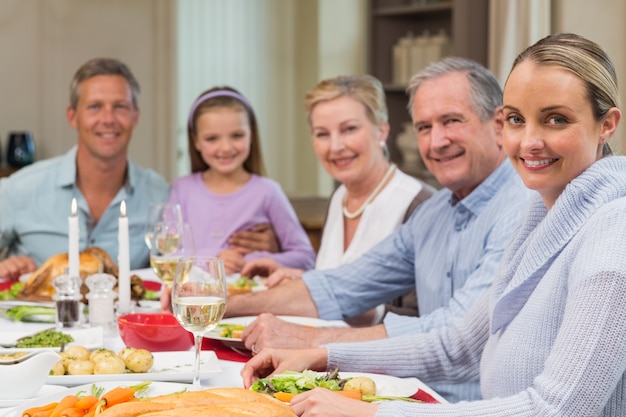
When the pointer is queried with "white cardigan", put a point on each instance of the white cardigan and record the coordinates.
(378, 220)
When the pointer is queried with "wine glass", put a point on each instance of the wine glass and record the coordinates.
(162, 212)
(169, 241)
(199, 298)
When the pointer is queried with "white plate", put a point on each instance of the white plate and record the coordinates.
(394, 386)
(155, 388)
(5, 305)
(168, 366)
(90, 337)
(237, 343)
(44, 391)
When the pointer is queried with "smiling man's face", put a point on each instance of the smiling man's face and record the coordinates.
(104, 116)
(458, 148)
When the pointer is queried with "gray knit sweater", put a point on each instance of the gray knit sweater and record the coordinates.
(550, 338)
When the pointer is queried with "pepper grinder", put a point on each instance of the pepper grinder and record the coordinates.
(101, 302)
(67, 299)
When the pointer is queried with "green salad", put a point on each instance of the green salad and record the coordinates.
(297, 382)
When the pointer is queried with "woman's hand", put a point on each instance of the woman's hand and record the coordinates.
(14, 266)
(166, 299)
(262, 267)
(322, 402)
(282, 274)
(271, 361)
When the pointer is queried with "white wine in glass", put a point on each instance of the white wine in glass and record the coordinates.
(169, 243)
(199, 298)
(170, 213)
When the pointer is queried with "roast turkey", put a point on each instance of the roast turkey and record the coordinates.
(38, 287)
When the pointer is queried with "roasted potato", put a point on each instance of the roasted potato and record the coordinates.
(109, 365)
(366, 385)
(139, 361)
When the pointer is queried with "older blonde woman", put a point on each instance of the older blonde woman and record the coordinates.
(348, 120)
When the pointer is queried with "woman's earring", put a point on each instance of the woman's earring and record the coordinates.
(385, 149)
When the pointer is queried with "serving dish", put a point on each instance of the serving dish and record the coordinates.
(155, 388)
(91, 338)
(45, 391)
(153, 331)
(238, 345)
(168, 366)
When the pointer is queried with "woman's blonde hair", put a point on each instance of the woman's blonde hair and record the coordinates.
(364, 88)
(230, 98)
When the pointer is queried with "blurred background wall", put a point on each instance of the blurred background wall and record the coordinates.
(273, 51)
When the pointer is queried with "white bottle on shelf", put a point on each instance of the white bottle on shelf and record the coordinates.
(437, 47)
(418, 51)
(401, 59)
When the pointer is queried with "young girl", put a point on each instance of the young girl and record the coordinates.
(226, 191)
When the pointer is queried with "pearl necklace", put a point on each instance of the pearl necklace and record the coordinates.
(369, 198)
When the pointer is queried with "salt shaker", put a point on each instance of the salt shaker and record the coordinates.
(67, 299)
(101, 302)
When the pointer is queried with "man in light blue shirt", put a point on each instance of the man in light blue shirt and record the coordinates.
(450, 248)
(36, 201)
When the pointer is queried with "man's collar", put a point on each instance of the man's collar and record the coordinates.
(67, 172)
(487, 189)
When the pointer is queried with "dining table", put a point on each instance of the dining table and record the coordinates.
(229, 361)
(224, 360)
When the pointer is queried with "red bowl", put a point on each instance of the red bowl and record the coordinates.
(156, 332)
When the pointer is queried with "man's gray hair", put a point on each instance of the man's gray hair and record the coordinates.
(486, 93)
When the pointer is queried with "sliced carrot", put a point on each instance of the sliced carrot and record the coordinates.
(30, 411)
(95, 409)
(73, 412)
(44, 413)
(350, 393)
(66, 402)
(86, 402)
(284, 396)
(118, 395)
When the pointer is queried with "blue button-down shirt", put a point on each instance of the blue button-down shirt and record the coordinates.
(448, 251)
(35, 203)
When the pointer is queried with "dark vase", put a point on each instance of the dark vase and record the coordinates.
(20, 149)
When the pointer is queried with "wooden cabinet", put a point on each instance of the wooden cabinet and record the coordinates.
(465, 22)
(6, 171)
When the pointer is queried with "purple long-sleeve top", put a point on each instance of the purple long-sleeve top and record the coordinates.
(215, 217)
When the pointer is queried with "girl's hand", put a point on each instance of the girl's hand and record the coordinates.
(260, 238)
(270, 361)
(322, 402)
(233, 260)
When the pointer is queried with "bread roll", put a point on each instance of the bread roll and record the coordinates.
(210, 402)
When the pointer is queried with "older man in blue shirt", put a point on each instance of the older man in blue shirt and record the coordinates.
(450, 248)
(35, 202)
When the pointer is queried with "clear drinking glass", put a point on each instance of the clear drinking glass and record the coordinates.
(169, 241)
(199, 298)
(162, 213)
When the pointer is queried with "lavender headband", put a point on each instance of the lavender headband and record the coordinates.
(218, 93)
